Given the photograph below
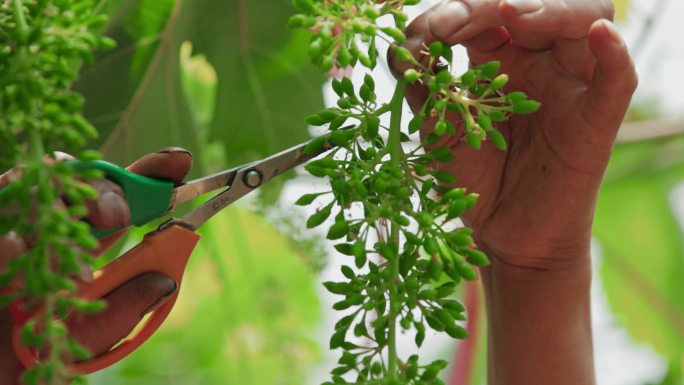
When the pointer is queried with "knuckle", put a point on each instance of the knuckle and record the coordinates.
(103, 186)
(607, 9)
(110, 211)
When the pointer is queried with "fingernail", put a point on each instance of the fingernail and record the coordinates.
(525, 6)
(448, 19)
(162, 300)
(113, 210)
(174, 150)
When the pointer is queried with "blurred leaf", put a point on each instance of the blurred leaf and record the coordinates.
(109, 84)
(199, 81)
(641, 241)
(248, 300)
(646, 157)
(265, 86)
(621, 8)
(673, 376)
(244, 315)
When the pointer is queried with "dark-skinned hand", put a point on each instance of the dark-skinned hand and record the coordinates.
(127, 304)
(567, 55)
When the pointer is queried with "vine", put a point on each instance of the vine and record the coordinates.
(391, 202)
(42, 44)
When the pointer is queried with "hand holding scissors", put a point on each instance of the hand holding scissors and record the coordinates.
(167, 249)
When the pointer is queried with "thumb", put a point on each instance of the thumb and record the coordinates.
(614, 80)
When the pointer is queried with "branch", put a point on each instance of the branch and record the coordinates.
(650, 129)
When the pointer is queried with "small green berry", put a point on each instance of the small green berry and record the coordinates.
(403, 54)
(474, 139)
(498, 139)
(444, 77)
(525, 107)
(489, 70)
(411, 75)
(436, 49)
(499, 82)
(468, 78)
(440, 128)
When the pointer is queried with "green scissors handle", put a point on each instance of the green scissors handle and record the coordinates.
(147, 198)
(165, 250)
(150, 198)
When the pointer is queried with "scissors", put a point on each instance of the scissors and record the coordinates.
(167, 249)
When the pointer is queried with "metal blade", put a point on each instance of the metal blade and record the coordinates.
(240, 181)
(201, 186)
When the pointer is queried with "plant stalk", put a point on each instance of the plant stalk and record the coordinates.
(396, 157)
(20, 19)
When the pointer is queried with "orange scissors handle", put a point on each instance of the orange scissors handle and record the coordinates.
(165, 251)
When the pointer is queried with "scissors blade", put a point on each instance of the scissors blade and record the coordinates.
(194, 188)
(286, 160)
(240, 181)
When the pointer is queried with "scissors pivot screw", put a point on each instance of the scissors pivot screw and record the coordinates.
(252, 178)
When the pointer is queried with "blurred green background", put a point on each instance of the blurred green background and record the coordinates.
(228, 81)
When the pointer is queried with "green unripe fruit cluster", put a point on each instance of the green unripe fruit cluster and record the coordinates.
(406, 275)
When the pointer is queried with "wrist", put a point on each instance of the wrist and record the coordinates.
(514, 253)
(539, 323)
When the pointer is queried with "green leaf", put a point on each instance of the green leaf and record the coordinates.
(444, 176)
(319, 216)
(315, 145)
(337, 339)
(476, 257)
(498, 140)
(337, 287)
(525, 107)
(306, 199)
(490, 69)
(338, 230)
(420, 338)
(259, 65)
(674, 375)
(621, 8)
(199, 82)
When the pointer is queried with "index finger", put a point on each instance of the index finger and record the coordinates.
(533, 24)
(536, 24)
(172, 163)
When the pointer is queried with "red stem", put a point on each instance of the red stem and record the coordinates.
(464, 359)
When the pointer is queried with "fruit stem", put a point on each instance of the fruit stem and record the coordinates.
(396, 157)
